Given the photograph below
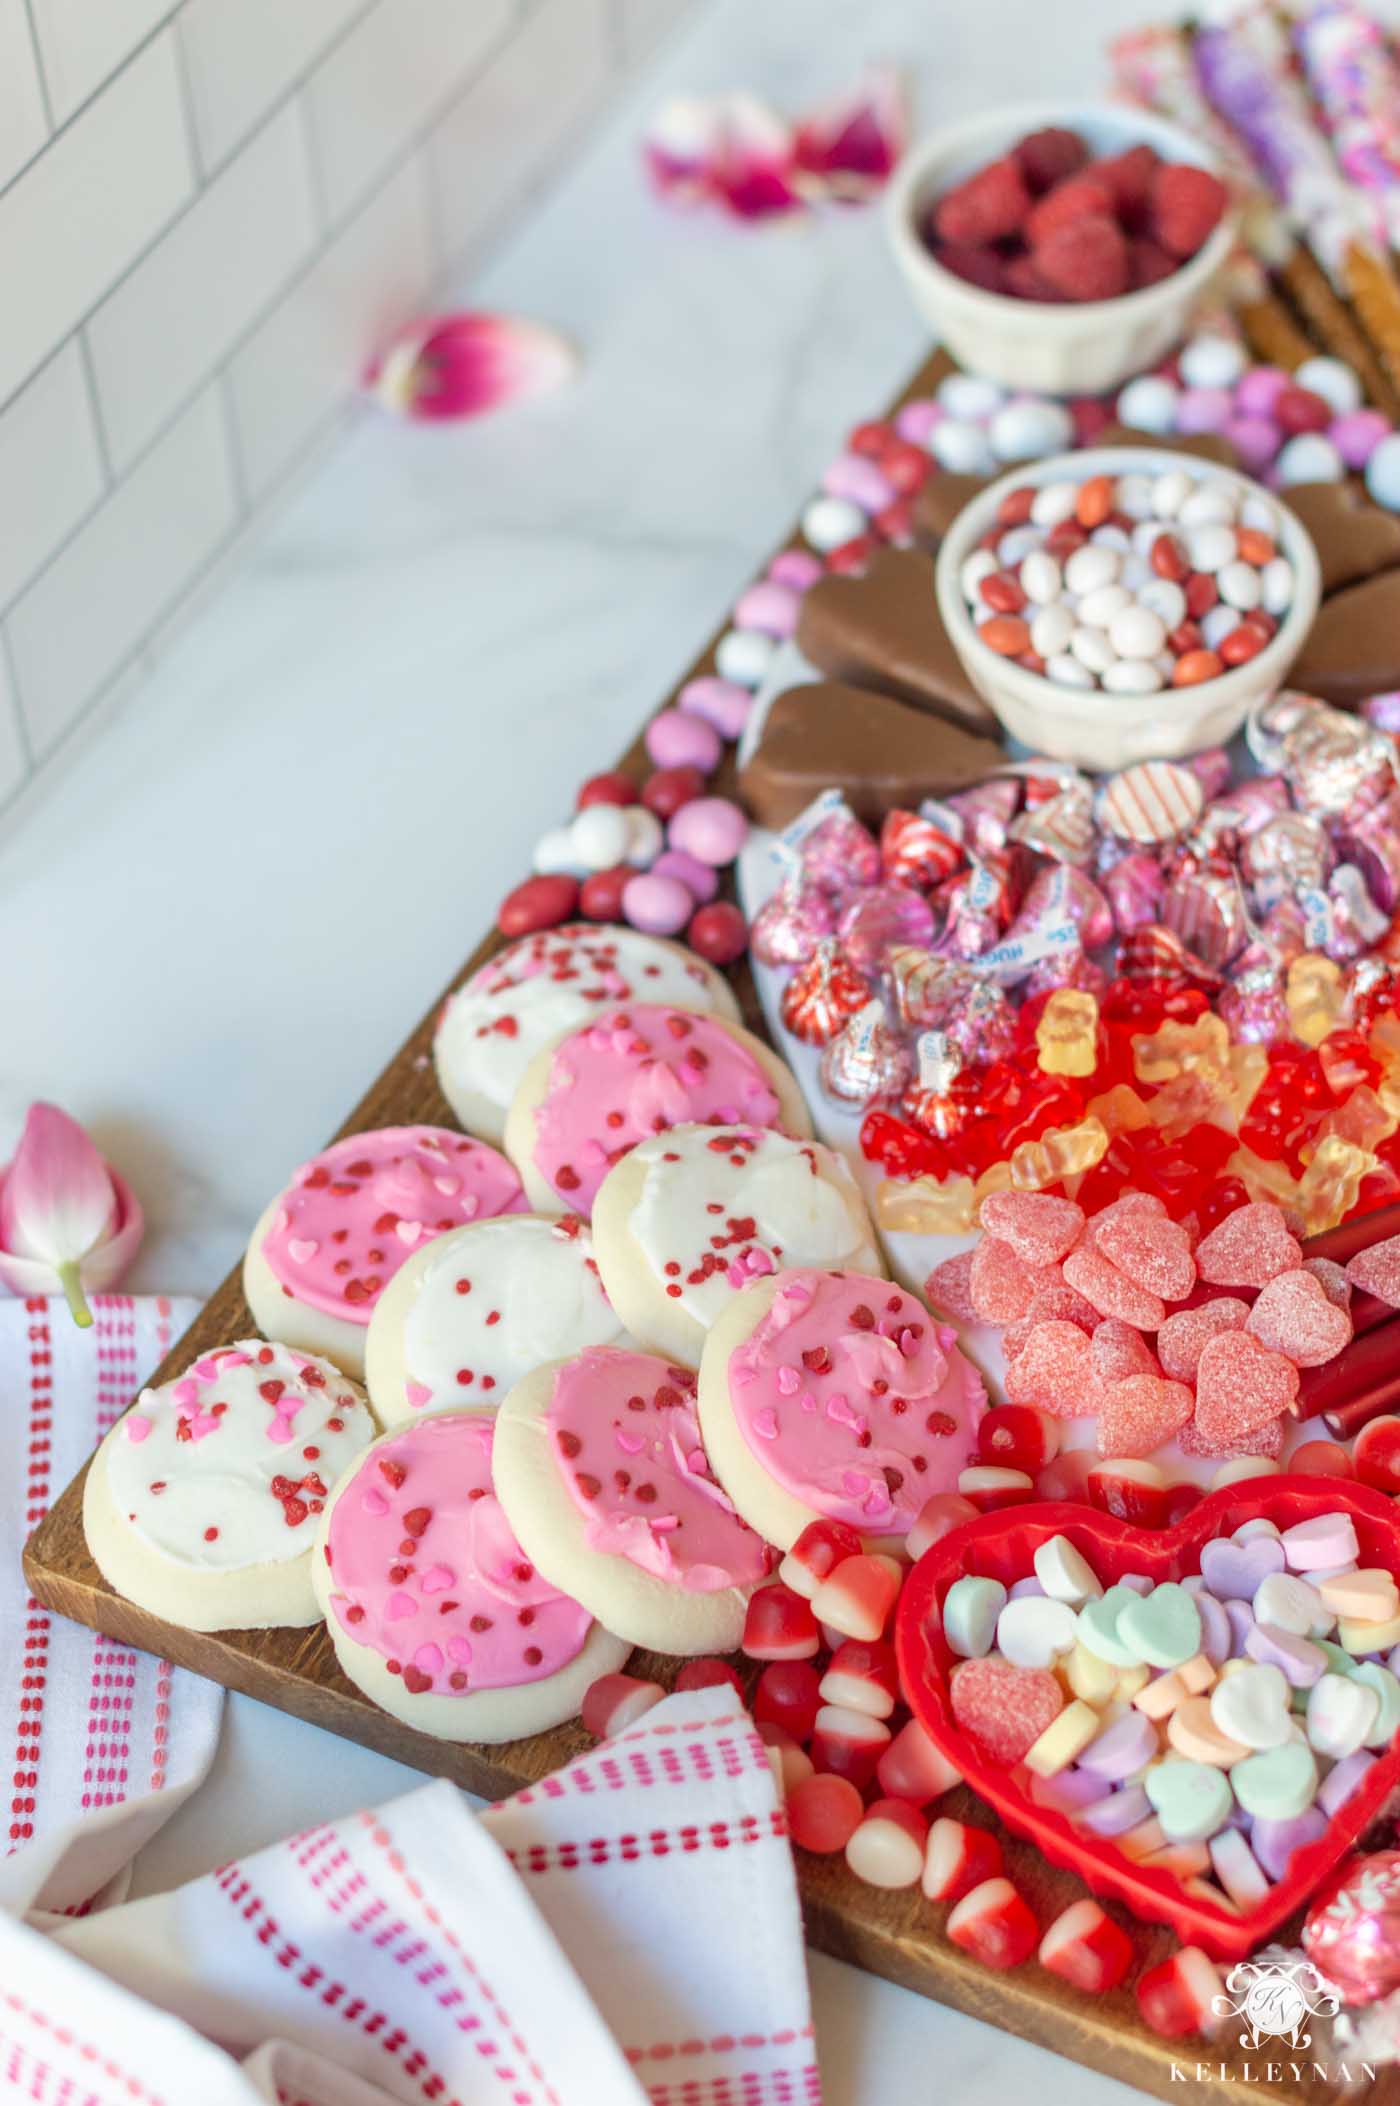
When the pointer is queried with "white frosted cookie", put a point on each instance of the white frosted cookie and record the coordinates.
(690, 1218)
(472, 1312)
(432, 1606)
(202, 1504)
(546, 984)
(602, 1473)
(325, 1248)
(836, 1396)
(630, 1073)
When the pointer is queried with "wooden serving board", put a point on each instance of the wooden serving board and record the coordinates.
(898, 1935)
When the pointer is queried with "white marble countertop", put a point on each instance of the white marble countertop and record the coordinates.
(221, 919)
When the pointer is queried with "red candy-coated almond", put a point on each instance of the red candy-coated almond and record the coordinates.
(958, 1858)
(1202, 592)
(600, 895)
(1095, 501)
(1002, 593)
(862, 1676)
(994, 1924)
(540, 903)
(1006, 634)
(779, 1625)
(1241, 644)
(815, 1555)
(1168, 558)
(823, 1813)
(913, 1768)
(718, 933)
(1195, 667)
(665, 791)
(1086, 1947)
(1015, 508)
(858, 1597)
(615, 1702)
(887, 1850)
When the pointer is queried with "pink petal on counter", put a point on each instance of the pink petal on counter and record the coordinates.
(462, 365)
(850, 145)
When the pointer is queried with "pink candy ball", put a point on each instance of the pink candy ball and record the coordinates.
(854, 477)
(659, 906)
(1203, 409)
(1255, 439)
(916, 420)
(1357, 435)
(722, 704)
(679, 739)
(712, 829)
(1259, 389)
(796, 567)
(697, 877)
(769, 607)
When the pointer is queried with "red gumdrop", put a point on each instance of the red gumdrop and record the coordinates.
(708, 1674)
(1376, 1454)
(1067, 1477)
(611, 788)
(540, 903)
(1018, 1437)
(718, 933)
(1130, 1490)
(600, 896)
(823, 1813)
(788, 1694)
(1321, 1459)
(1179, 1997)
(665, 791)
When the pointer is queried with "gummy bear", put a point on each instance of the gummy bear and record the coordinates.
(1347, 1062)
(926, 1207)
(901, 1148)
(1066, 1036)
(1021, 1103)
(1200, 1047)
(1060, 1153)
(1315, 998)
(1362, 1119)
(1263, 1178)
(1328, 1188)
(1119, 1110)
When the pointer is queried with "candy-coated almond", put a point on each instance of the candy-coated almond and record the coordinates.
(1195, 667)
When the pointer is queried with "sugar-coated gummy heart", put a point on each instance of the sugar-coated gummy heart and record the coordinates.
(1377, 1271)
(1151, 1251)
(1111, 1293)
(1162, 1628)
(1293, 1316)
(1241, 1386)
(1235, 1571)
(1140, 1413)
(1052, 1303)
(1055, 1371)
(1182, 1338)
(1120, 1351)
(1001, 1282)
(1277, 1784)
(1191, 1799)
(1265, 1442)
(1006, 1708)
(1248, 1248)
(949, 1288)
(1039, 1227)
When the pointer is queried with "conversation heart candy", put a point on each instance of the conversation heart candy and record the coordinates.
(1098, 1627)
(1038, 1227)
(1241, 1386)
(1190, 1799)
(1163, 1627)
(1112, 1292)
(1276, 1842)
(1064, 1572)
(1152, 1251)
(1300, 1661)
(1293, 1316)
(1277, 1784)
(1251, 1707)
(1034, 1631)
(1192, 1731)
(1123, 1747)
(970, 1611)
(1054, 1370)
(1294, 1605)
(1183, 1336)
(1342, 1711)
(1006, 1708)
(1140, 1413)
(1322, 1541)
(1234, 1571)
(1248, 1248)
(1387, 1688)
(1370, 1596)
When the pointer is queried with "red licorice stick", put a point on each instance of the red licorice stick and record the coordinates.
(1349, 1238)
(1362, 1382)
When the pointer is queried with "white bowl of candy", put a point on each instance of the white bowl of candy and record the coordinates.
(983, 293)
(1126, 603)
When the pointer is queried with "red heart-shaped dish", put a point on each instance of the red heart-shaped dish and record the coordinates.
(1001, 1546)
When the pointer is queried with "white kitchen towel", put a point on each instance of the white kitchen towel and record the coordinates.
(647, 1944)
(104, 1742)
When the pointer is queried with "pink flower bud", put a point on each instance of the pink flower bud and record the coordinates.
(461, 365)
(68, 1223)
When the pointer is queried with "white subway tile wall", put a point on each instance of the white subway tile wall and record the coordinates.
(210, 213)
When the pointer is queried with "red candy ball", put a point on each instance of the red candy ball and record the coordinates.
(611, 788)
(540, 903)
(718, 933)
(600, 896)
(1299, 409)
(669, 788)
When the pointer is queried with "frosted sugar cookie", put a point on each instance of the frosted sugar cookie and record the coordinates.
(473, 1311)
(202, 1503)
(835, 1396)
(547, 984)
(602, 1473)
(433, 1608)
(691, 1217)
(629, 1074)
(324, 1250)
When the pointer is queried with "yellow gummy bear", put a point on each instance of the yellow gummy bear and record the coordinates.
(995, 1178)
(1363, 1119)
(1062, 1152)
(1188, 1100)
(1385, 1041)
(1314, 997)
(927, 1206)
(1119, 1110)
(1066, 1038)
(1200, 1047)
(1262, 1179)
(1248, 1065)
(1329, 1186)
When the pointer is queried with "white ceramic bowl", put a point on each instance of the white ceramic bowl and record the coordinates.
(1086, 725)
(1059, 350)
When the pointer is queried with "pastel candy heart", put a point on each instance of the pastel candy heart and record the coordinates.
(1098, 1627)
(1277, 1784)
(1299, 1661)
(1235, 1571)
(1163, 1627)
(1251, 1706)
(1248, 1248)
(970, 1611)
(1294, 1316)
(1387, 1688)
(1034, 1632)
(1293, 1605)
(1342, 1712)
(1122, 1748)
(1190, 1799)
(1006, 1708)
(1323, 1541)
(1241, 1386)
(1275, 1842)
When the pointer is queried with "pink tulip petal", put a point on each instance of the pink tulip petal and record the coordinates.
(100, 1267)
(681, 147)
(850, 146)
(57, 1198)
(753, 173)
(462, 365)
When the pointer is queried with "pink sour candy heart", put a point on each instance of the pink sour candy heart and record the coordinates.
(1053, 1303)
(1293, 1316)
(1003, 1707)
(1264, 1441)
(1039, 1227)
(1182, 1338)
(1120, 1351)
(1248, 1248)
(1377, 1271)
(949, 1288)
(1152, 1252)
(1055, 1371)
(1126, 1203)
(1001, 1283)
(1332, 1279)
(1240, 1386)
(1111, 1292)
(1140, 1414)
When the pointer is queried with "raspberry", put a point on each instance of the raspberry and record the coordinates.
(1148, 264)
(1024, 281)
(1127, 177)
(1046, 157)
(978, 265)
(1085, 261)
(988, 205)
(1186, 206)
(1082, 197)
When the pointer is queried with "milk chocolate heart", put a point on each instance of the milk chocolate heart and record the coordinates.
(1002, 1546)
(1353, 537)
(879, 752)
(1204, 445)
(1353, 648)
(882, 629)
(940, 501)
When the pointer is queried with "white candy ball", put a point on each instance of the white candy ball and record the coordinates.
(1216, 623)
(1209, 504)
(1137, 632)
(1028, 431)
(1051, 630)
(961, 447)
(644, 837)
(556, 856)
(1068, 672)
(744, 656)
(1098, 607)
(1112, 537)
(1276, 585)
(1093, 649)
(1135, 572)
(1016, 543)
(1170, 492)
(830, 522)
(979, 565)
(1212, 362)
(1333, 380)
(1148, 404)
(1210, 548)
(1090, 567)
(1041, 577)
(601, 836)
(1310, 458)
(1055, 502)
(1260, 514)
(1135, 496)
(1239, 585)
(1133, 676)
(1383, 473)
(969, 397)
(1166, 600)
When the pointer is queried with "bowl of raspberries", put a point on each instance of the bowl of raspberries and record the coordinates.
(1060, 250)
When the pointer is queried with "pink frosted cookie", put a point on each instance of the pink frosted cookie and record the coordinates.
(202, 1503)
(474, 1310)
(633, 1073)
(835, 1396)
(535, 990)
(326, 1248)
(602, 1471)
(432, 1606)
(693, 1216)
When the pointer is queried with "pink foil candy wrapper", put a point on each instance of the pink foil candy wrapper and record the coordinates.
(986, 813)
(1291, 852)
(1284, 930)
(1207, 912)
(1253, 1006)
(916, 850)
(1384, 712)
(1357, 923)
(1211, 769)
(838, 853)
(791, 923)
(1156, 957)
(1133, 888)
(1352, 1930)
(1065, 969)
(1372, 842)
(866, 1060)
(1250, 804)
(878, 921)
(1059, 824)
(1336, 762)
(930, 993)
(977, 906)
(984, 1025)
